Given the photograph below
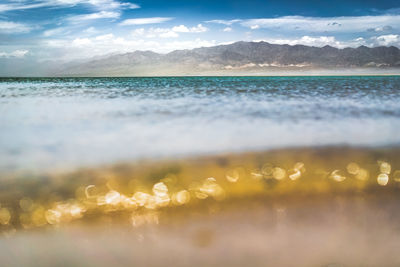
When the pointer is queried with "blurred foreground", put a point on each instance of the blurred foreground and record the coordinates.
(327, 206)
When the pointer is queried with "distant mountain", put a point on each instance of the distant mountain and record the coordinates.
(239, 57)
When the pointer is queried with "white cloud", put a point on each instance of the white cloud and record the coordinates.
(386, 28)
(180, 28)
(98, 15)
(308, 40)
(357, 42)
(169, 34)
(21, 6)
(319, 41)
(198, 28)
(129, 6)
(138, 32)
(161, 32)
(195, 29)
(142, 21)
(387, 40)
(107, 4)
(13, 27)
(224, 22)
(15, 53)
(324, 24)
(90, 30)
(254, 27)
(104, 37)
(53, 32)
(80, 42)
(227, 29)
(81, 48)
(99, 4)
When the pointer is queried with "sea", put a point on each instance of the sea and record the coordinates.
(51, 123)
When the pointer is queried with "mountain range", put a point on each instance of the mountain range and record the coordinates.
(238, 58)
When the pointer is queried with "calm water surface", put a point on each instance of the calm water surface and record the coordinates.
(53, 122)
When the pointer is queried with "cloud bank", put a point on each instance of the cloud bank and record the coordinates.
(319, 24)
(143, 21)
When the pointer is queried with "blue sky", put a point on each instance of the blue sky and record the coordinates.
(65, 30)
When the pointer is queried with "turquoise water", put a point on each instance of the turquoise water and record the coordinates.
(54, 122)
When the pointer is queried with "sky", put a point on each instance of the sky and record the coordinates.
(37, 31)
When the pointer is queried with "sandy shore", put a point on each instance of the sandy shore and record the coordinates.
(318, 231)
(329, 206)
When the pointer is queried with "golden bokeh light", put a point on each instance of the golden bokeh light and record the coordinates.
(5, 216)
(112, 198)
(396, 175)
(146, 201)
(335, 175)
(256, 174)
(383, 179)
(353, 168)
(267, 170)
(300, 166)
(181, 197)
(278, 173)
(294, 174)
(385, 167)
(232, 176)
(362, 174)
(160, 189)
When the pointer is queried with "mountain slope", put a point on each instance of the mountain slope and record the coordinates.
(237, 57)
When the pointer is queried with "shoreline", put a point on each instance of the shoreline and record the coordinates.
(318, 206)
(330, 230)
(190, 181)
(285, 74)
(187, 157)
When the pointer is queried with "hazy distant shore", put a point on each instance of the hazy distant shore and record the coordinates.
(276, 73)
(261, 73)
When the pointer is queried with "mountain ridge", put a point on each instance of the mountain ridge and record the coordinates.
(238, 57)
